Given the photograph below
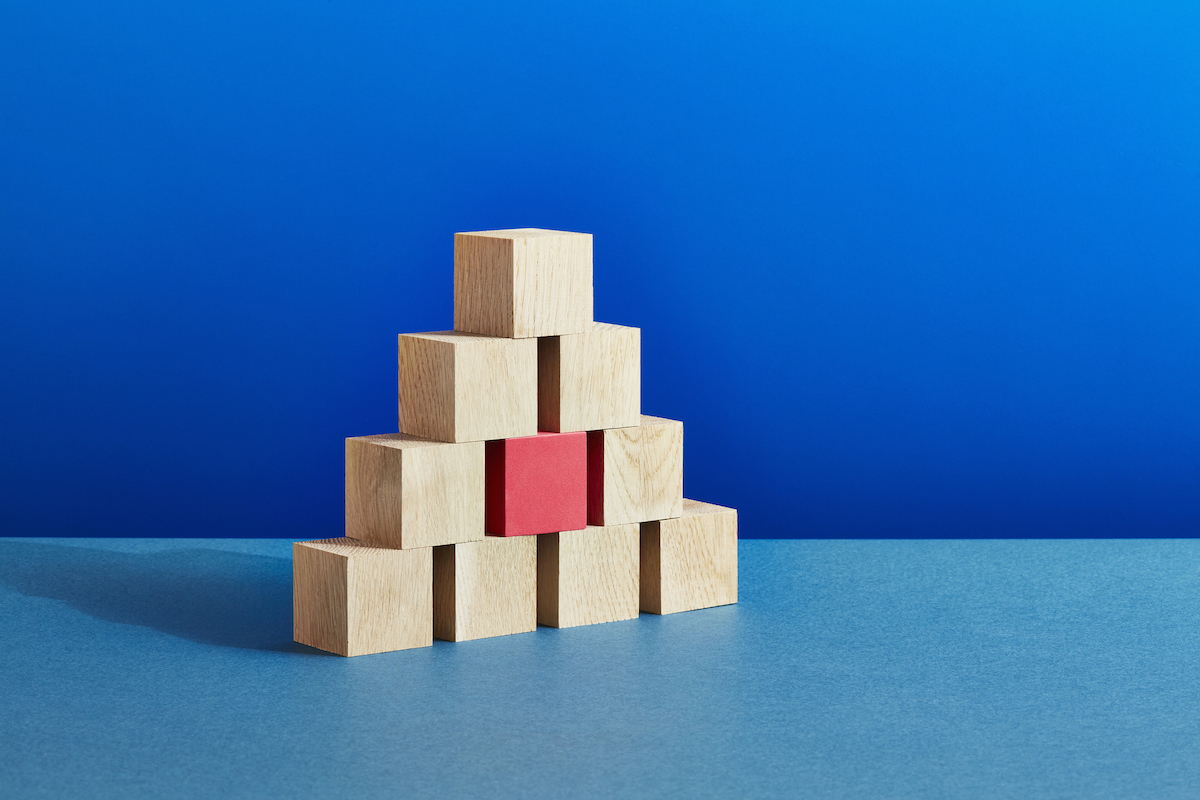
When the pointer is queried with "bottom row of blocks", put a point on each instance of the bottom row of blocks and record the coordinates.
(354, 598)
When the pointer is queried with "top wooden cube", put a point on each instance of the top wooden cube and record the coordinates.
(523, 282)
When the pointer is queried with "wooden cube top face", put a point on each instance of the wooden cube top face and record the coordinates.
(406, 492)
(450, 337)
(696, 560)
(536, 484)
(588, 577)
(461, 387)
(343, 547)
(354, 598)
(486, 588)
(397, 441)
(590, 381)
(522, 282)
(521, 233)
(695, 508)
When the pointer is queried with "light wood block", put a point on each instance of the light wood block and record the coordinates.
(405, 492)
(690, 562)
(522, 282)
(485, 588)
(353, 598)
(635, 474)
(460, 387)
(662, 468)
(592, 380)
(589, 576)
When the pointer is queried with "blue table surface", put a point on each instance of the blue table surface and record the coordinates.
(874, 669)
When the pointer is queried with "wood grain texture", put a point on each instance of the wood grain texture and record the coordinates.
(617, 491)
(522, 282)
(589, 576)
(640, 472)
(547, 579)
(403, 491)
(485, 588)
(662, 468)
(461, 387)
(353, 598)
(550, 392)
(592, 380)
(691, 561)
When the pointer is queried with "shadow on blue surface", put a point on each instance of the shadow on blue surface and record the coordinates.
(208, 596)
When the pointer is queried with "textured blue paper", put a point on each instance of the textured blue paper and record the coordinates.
(861, 669)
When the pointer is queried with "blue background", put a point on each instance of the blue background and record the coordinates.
(903, 269)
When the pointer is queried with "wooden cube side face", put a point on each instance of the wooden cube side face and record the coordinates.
(353, 598)
(443, 493)
(552, 283)
(615, 484)
(550, 394)
(486, 588)
(426, 387)
(319, 600)
(404, 493)
(650, 590)
(547, 579)
(390, 601)
(590, 381)
(662, 469)
(483, 284)
(697, 562)
(594, 575)
(621, 353)
(374, 493)
(495, 392)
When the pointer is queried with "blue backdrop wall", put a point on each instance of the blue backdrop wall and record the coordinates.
(903, 269)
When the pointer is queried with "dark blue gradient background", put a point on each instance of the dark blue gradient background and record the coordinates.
(904, 269)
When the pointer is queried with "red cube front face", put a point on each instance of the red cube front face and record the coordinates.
(536, 484)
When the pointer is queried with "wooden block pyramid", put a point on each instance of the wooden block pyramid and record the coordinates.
(525, 486)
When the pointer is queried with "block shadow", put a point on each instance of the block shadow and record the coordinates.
(207, 596)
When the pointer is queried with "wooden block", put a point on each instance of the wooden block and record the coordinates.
(588, 576)
(405, 492)
(522, 282)
(459, 387)
(592, 380)
(662, 468)
(536, 484)
(690, 562)
(485, 588)
(615, 485)
(635, 474)
(353, 598)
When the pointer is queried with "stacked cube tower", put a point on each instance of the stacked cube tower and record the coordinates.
(525, 486)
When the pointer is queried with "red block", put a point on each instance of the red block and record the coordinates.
(536, 484)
